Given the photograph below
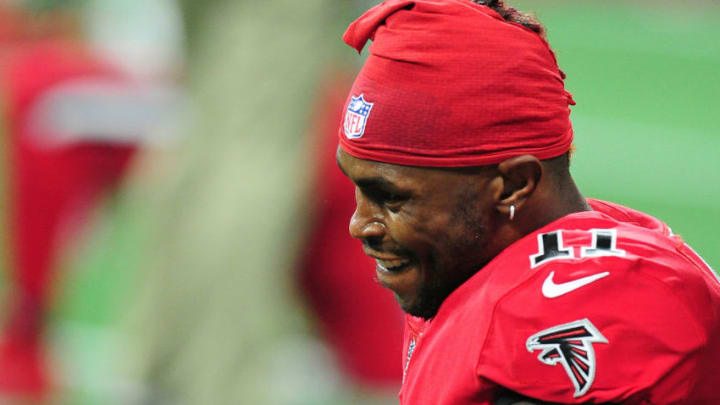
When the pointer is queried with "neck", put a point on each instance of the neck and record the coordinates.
(556, 202)
(552, 203)
(545, 206)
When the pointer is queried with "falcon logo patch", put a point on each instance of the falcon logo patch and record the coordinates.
(356, 116)
(570, 344)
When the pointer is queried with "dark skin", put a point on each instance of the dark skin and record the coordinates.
(430, 229)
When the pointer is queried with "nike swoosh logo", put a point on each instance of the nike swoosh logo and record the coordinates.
(552, 290)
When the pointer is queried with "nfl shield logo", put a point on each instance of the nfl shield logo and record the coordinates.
(356, 116)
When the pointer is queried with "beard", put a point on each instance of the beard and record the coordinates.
(428, 301)
(463, 258)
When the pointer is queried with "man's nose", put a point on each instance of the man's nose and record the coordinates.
(366, 222)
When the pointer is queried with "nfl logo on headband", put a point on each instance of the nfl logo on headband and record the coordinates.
(356, 116)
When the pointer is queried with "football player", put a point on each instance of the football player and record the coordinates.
(517, 288)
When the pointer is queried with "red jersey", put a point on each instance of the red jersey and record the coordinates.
(598, 306)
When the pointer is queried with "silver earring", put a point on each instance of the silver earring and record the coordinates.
(512, 212)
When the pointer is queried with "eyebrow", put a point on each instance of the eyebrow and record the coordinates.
(370, 181)
(375, 181)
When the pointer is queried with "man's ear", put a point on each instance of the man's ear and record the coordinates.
(521, 176)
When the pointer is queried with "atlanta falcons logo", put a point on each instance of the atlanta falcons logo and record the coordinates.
(571, 345)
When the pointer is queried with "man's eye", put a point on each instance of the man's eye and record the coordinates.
(395, 205)
(389, 199)
(393, 201)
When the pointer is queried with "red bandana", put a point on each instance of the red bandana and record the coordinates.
(451, 83)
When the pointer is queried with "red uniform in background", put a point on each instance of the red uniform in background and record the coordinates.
(54, 177)
(598, 306)
(360, 320)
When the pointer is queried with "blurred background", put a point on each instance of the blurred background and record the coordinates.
(176, 228)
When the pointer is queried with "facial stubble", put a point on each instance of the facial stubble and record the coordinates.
(466, 252)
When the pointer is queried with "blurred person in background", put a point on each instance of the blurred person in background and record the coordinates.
(72, 122)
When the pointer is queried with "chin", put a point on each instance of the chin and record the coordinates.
(421, 308)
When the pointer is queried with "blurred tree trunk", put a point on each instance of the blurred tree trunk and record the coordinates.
(219, 321)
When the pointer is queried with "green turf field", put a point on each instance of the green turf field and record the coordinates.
(647, 124)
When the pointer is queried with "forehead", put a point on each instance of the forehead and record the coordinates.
(359, 170)
(362, 171)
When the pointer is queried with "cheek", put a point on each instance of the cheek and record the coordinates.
(420, 233)
(458, 238)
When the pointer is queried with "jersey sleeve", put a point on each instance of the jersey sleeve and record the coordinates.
(596, 329)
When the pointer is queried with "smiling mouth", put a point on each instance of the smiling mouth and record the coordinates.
(388, 263)
(392, 266)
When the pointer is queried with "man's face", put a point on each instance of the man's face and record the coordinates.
(427, 228)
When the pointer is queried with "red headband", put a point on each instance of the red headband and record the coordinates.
(451, 83)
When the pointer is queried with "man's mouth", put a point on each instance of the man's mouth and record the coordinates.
(392, 265)
(388, 263)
